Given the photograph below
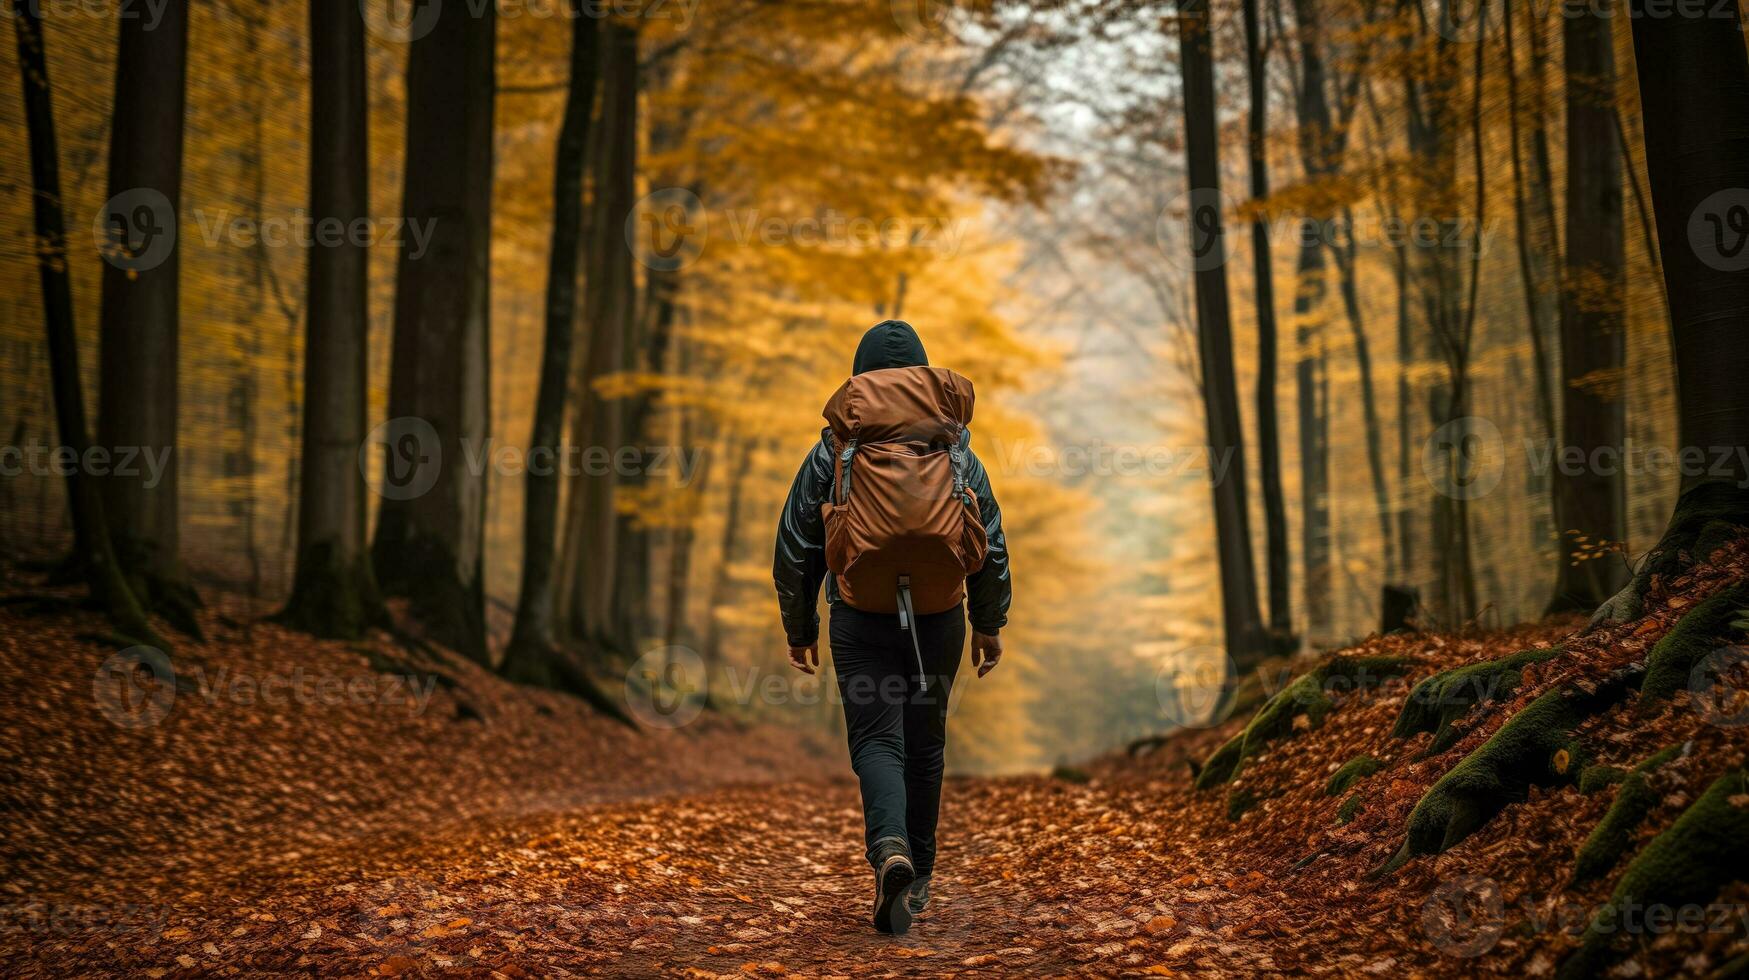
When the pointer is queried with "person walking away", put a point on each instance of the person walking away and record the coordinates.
(894, 512)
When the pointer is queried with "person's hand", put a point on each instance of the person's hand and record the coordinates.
(800, 657)
(986, 652)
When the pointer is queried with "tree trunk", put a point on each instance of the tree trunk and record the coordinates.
(1532, 235)
(139, 322)
(334, 590)
(1346, 263)
(1312, 386)
(633, 584)
(430, 534)
(590, 556)
(95, 555)
(1268, 439)
(722, 583)
(1245, 636)
(1694, 79)
(1436, 275)
(1591, 499)
(532, 639)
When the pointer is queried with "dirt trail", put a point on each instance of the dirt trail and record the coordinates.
(496, 831)
(1035, 875)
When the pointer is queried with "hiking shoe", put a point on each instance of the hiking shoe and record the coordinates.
(893, 877)
(918, 899)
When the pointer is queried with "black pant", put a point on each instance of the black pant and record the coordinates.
(898, 732)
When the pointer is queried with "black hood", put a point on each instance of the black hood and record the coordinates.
(889, 344)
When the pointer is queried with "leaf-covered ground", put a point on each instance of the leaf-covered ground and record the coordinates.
(503, 832)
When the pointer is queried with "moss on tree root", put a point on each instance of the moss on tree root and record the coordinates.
(334, 597)
(1706, 517)
(1684, 865)
(1610, 839)
(1349, 808)
(1596, 779)
(1352, 771)
(1673, 658)
(1309, 695)
(1435, 703)
(1536, 747)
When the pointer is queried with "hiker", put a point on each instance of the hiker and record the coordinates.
(893, 503)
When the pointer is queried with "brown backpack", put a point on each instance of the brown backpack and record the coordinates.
(902, 526)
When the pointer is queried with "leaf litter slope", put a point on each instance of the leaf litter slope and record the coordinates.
(569, 848)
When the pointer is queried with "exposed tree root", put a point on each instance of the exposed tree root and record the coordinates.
(1673, 658)
(1706, 517)
(1683, 866)
(1352, 771)
(1596, 779)
(1613, 834)
(1349, 809)
(1535, 747)
(556, 668)
(1309, 696)
(332, 597)
(1442, 699)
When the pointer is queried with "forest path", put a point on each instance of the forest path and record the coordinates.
(1035, 875)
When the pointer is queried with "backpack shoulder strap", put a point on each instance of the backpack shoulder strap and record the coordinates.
(960, 454)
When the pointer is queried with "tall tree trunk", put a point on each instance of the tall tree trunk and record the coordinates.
(334, 590)
(532, 640)
(635, 619)
(1268, 439)
(1533, 239)
(430, 537)
(139, 322)
(95, 554)
(722, 583)
(1347, 270)
(589, 559)
(1245, 636)
(1436, 275)
(1311, 377)
(1591, 499)
(1694, 80)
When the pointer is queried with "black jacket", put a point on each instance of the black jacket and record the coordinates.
(800, 562)
(799, 565)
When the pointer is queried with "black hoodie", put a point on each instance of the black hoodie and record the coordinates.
(799, 565)
(889, 344)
